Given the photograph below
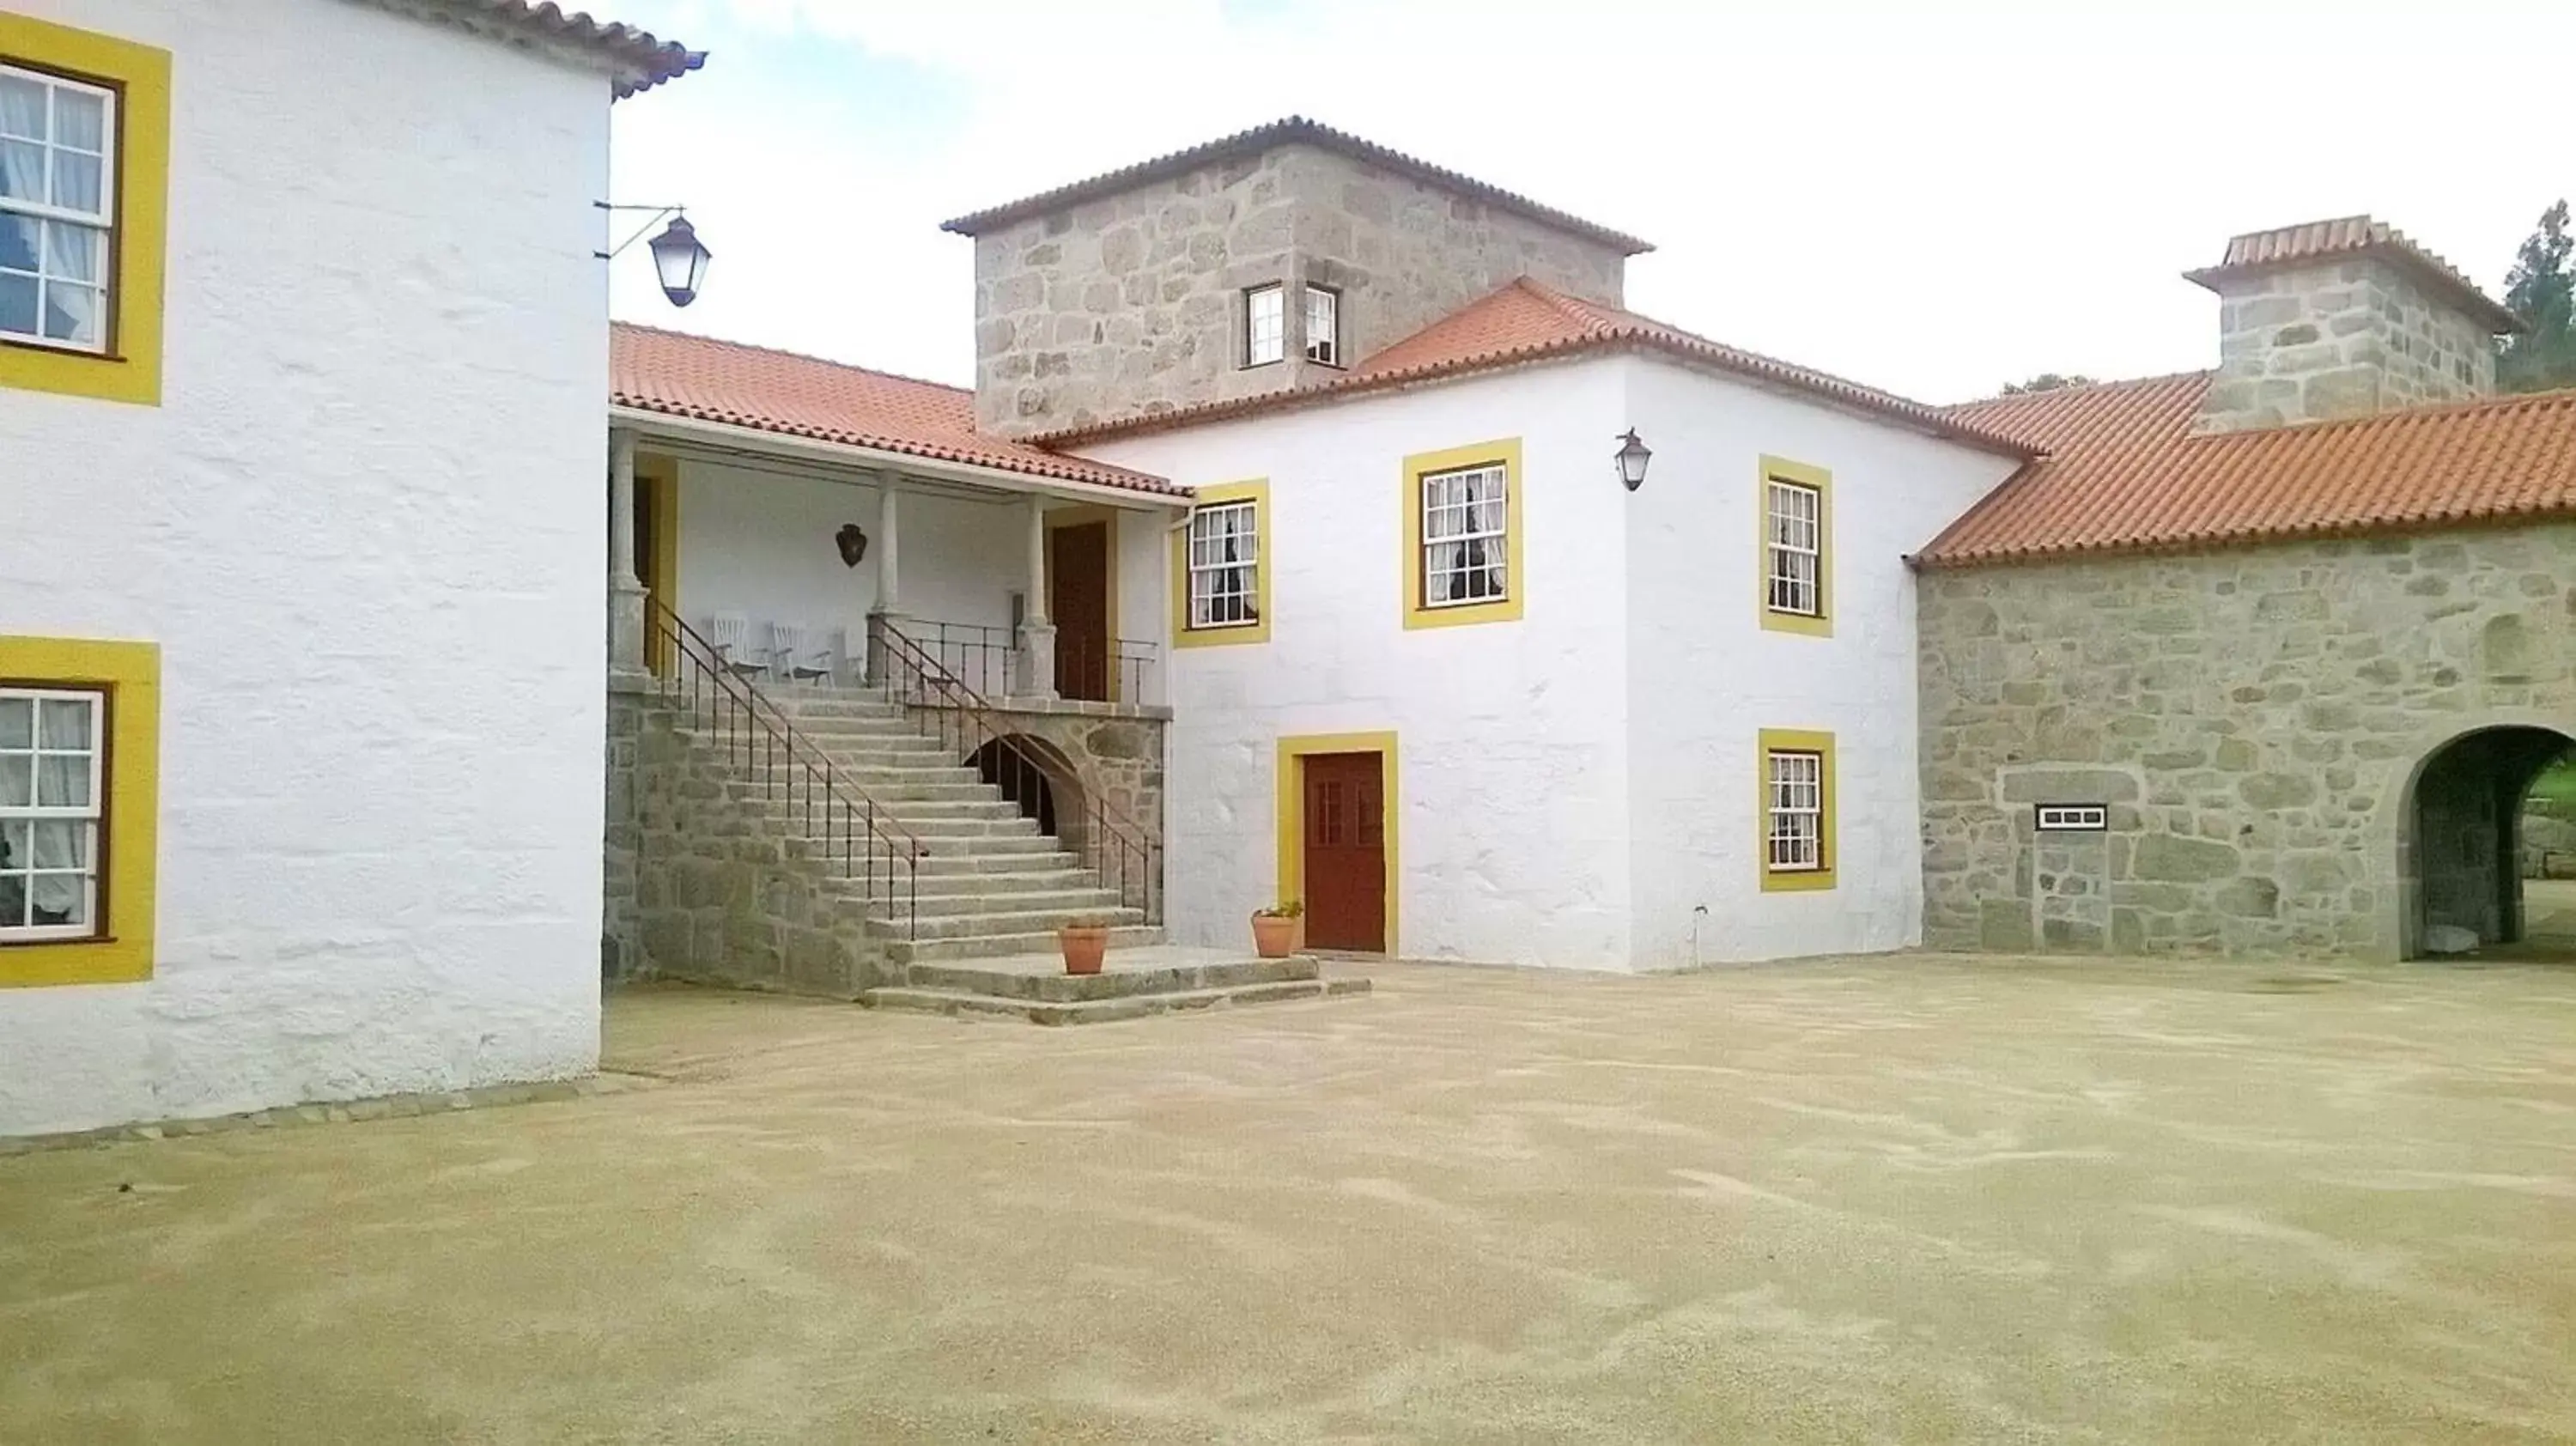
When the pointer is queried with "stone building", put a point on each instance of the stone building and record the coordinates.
(2259, 660)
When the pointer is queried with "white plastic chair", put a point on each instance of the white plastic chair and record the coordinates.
(799, 653)
(730, 635)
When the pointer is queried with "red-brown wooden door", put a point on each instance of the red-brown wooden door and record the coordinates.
(1078, 605)
(1345, 851)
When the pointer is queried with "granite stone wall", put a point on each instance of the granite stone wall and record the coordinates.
(2253, 719)
(1132, 304)
(2341, 340)
(1107, 752)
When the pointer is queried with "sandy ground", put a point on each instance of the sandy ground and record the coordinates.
(1906, 1200)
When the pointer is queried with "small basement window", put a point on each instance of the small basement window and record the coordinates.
(2074, 818)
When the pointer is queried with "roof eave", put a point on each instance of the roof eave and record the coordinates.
(634, 60)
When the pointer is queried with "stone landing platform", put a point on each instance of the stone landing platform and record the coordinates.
(1132, 983)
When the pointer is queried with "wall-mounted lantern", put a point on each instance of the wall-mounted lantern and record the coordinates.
(1632, 459)
(853, 544)
(679, 258)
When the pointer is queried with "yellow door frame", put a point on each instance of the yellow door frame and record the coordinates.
(657, 486)
(1291, 787)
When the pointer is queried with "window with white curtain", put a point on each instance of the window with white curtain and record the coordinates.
(1794, 522)
(1797, 792)
(1324, 325)
(1265, 325)
(52, 756)
(1225, 563)
(1464, 516)
(57, 209)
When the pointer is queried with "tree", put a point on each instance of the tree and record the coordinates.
(2542, 291)
(2045, 382)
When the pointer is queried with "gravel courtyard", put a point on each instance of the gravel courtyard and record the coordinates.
(1909, 1200)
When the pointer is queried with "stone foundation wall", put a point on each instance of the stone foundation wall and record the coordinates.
(2352, 339)
(2251, 718)
(701, 888)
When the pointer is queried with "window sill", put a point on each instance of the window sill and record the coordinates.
(1797, 881)
(105, 375)
(1805, 624)
(1256, 366)
(1219, 637)
(40, 963)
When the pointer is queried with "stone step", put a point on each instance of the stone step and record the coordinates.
(1118, 979)
(930, 786)
(998, 921)
(1005, 822)
(1104, 1011)
(1053, 862)
(986, 946)
(1003, 896)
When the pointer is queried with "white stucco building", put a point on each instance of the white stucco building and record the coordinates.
(302, 346)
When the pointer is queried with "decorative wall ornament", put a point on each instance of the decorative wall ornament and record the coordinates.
(853, 544)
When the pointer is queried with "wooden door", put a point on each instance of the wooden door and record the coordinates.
(1345, 851)
(1078, 605)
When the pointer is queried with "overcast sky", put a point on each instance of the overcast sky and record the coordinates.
(1932, 198)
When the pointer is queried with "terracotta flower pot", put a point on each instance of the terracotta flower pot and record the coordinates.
(1275, 936)
(1082, 945)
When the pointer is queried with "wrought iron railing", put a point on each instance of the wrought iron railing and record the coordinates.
(985, 658)
(854, 836)
(1122, 853)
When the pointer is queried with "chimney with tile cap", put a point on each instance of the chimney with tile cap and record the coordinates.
(2340, 319)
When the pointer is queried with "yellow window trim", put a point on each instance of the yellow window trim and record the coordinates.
(1793, 740)
(1080, 515)
(131, 370)
(657, 482)
(131, 675)
(1782, 469)
(1257, 492)
(1515, 580)
(1292, 812)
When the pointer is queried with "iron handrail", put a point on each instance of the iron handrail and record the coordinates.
(1114, 844)
(771, 739)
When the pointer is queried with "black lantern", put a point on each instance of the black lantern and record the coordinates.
(679, 260)
(853, 544)
(1632, 459)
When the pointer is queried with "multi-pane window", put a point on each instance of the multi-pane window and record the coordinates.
(1793, 522)
(1324, 325)
(1225, 565)
(1464, 516)
(1265, 325)
(1797, 810)
(57, 208)
(51, 757)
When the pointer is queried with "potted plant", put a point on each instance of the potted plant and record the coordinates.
(1280, 930)
(1083, 940)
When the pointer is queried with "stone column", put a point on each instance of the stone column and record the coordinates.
(625, 589)
(1037, 634)
(889, 604)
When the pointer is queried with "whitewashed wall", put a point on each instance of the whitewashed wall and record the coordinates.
(758, 540)
(365, 527)
(1704, 677)
(1512, 765)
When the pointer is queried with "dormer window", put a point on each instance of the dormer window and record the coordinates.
(1324, 325)
(1265, 325)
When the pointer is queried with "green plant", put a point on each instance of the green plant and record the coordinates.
(1286, 909)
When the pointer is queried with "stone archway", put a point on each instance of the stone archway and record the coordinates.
(1036, 775)
(2458, 858)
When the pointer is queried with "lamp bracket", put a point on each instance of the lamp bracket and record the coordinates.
(658, 213)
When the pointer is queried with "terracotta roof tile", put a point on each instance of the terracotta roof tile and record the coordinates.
(638, 59)
(802, 396)
(1262, 138)
(1526, 322)
(2125, 474)
(2355, 236)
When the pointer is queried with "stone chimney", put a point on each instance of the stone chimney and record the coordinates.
(2340, 319)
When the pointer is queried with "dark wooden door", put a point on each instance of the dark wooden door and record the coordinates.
(1345, 851)
(1078, 605)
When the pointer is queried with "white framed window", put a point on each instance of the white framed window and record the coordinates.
(57, 208)
(1793, 523)
(1465, 514)
(1324, 325)
(1265, 325)
(2073, 818)
(52, 757)
(1225, 565)
(1797, 831)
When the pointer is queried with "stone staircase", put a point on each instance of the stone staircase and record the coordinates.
(991, 885)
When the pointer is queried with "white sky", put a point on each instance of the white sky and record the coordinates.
(1935, 199)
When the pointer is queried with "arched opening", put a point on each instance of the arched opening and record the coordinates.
(2463, 861)
(1036, 775)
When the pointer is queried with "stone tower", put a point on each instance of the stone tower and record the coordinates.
(2339, 319)
(1151, 288)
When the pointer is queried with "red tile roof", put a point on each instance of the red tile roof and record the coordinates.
(2125, 474)
(1270, 137)
(637, 59)
(1526, 322)
(2354, 236)
(802, 396)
